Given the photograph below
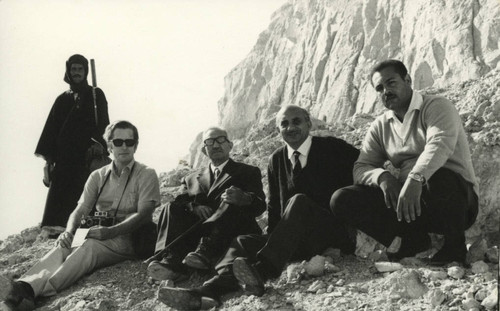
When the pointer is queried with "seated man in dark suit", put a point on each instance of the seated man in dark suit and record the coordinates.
(220, 202)
(302, 177)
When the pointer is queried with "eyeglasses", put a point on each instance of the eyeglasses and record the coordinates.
(211, 141)
(119, 142)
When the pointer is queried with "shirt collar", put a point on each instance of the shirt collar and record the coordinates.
(111, 166)
(220, 167)
(415, 104)
(303, 149)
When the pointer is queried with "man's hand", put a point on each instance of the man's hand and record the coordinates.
(100, 233)
(236, 196)
(202, 211)
(65, 239)
(391, 188)
(409, 200)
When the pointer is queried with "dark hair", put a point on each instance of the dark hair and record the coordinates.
(120, 124)
(395, 64)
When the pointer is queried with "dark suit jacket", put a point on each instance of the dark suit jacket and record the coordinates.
(329, 167)
(246, 177)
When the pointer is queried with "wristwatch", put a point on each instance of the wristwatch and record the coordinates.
(417, 176)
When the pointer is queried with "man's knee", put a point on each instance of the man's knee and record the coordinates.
(339, 201)
(298, 203)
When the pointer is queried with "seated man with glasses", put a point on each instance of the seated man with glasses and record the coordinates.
(126, 191)
(220, 202)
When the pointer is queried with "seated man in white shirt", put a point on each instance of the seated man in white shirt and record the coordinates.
(436, 190)
(127, 190)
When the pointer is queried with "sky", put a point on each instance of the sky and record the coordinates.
(161, 65)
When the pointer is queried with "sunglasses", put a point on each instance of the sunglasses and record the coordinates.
(211, 141)
(119, 142)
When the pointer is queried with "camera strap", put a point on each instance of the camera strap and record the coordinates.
(116, 206)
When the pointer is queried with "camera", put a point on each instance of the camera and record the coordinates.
(99, 219)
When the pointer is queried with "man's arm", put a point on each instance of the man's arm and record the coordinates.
(372, 156)
(442, 127)
(252, 197)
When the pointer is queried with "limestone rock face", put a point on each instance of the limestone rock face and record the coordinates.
(318, 53)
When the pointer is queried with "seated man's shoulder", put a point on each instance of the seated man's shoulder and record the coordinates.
(144, 170)
(244, 165)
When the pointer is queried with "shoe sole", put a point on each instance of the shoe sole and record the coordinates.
(184, 299)
(161, 273)
(196, 262)
(247, 275)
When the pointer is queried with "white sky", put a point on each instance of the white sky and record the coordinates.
(161, 65)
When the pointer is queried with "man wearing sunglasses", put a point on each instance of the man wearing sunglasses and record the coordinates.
(127, 191)
(220, 201)
(302, 176)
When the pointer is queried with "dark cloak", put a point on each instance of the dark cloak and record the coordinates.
(65, 139)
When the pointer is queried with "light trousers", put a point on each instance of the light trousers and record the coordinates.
(61, 267)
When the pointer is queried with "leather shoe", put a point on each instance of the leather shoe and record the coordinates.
(185, 299)
(410, 246)
(202, 257)
(248, 275)
(162, 270)
(16, 295)
(449, 254)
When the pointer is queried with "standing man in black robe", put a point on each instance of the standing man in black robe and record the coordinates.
(70, 130)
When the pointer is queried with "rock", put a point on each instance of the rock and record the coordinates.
(411, 262)
(294, 272)
(492, 254)
(386, 266)
(456, 272)
(481, 294)
(407, 284)
(470, 303)
(315, 266)
(437, 297)
(333, 253)
(492, 300)
(378, 255)
(315, 286)
(476, 251)
(438, 275)
(479, 267)
(330, 268)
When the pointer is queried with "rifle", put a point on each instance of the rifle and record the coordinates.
(94, 85)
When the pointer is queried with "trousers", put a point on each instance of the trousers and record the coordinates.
(304, 230)
(448, 203)
(61, 267)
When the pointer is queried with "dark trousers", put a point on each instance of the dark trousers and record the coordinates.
(305, 229)
(448, 203)
(175, 220)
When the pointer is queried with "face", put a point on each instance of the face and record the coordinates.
(293, 126)
(77, 72)
(393, 90)
(218, 152)
(122, 154)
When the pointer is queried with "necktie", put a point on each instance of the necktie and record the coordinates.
(297, 168)
(216, 173)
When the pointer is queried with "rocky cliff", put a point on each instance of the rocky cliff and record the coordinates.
(317, 54)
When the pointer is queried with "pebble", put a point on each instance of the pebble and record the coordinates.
(327, 301)
(481, 294)
(330, 288)
(384, 266)
(321, 291)
(315, 266)
(315, 286)
(458, 291)
(492, 254)
(438, 275)
(411, 262)
(470, 303)
(331, 267)
(340, 282)
(456, 272)
(437, 297)
(479, 267)
(333, 253)
(492, 300)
